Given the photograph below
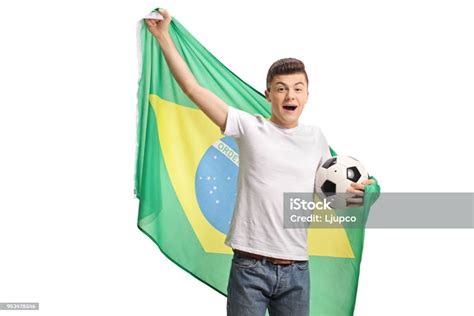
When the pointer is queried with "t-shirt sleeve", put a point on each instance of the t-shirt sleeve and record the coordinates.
(236, 122)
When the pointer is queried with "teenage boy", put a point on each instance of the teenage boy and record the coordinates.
(270, 264)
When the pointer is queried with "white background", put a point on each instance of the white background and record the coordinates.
(391, 83)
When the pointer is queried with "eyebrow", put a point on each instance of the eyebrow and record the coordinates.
(279, 82)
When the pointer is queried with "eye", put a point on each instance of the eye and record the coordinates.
(280, 89)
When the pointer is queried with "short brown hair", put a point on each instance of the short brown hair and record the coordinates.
(285, 66)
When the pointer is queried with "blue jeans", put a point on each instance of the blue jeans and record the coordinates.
(255, 285)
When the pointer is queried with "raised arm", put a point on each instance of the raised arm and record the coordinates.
(215, 108)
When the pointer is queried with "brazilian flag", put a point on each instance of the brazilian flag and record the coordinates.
(186, 177)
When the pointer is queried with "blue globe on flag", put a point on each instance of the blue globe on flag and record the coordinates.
(216, 182)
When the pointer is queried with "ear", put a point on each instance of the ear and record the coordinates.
(267, 95)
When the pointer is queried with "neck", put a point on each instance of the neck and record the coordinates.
(274, 120)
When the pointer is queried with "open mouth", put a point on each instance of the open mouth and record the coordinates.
(290, 107)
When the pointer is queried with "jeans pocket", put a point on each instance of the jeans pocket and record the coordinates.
(244, 262)
(302, 265)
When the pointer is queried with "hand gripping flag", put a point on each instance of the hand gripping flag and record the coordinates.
(186, 177)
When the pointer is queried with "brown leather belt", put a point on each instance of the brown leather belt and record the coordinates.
(269, 259)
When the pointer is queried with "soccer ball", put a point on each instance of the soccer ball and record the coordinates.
(335, 175)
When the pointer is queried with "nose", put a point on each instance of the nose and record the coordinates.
(290, 95)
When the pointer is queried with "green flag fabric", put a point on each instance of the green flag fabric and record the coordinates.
(186, 177)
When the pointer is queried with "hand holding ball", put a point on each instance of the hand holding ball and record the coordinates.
(336, 175)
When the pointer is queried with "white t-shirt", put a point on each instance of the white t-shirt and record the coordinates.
(272, 160)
